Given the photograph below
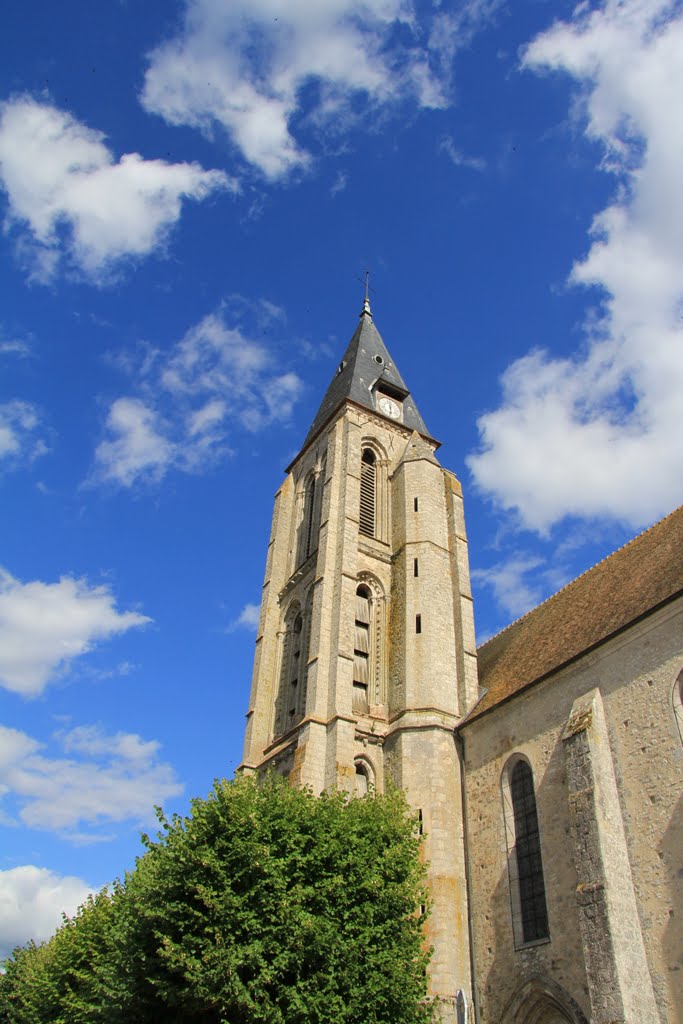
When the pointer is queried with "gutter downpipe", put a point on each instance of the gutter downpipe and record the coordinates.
(460, 747)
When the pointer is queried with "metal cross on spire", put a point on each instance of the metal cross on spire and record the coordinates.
(368, 289)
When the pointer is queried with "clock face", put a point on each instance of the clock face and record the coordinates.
(389, 407)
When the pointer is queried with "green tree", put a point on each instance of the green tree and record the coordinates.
(266, 905)
(56, 981)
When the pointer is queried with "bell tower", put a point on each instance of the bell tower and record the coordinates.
(365, 655)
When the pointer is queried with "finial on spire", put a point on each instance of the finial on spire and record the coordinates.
(366, 303)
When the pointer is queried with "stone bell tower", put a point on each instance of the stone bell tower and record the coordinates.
(365, 655)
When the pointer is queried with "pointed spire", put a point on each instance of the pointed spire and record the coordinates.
(366, 369)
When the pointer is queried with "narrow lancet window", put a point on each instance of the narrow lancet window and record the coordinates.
(310, 522)
(309, 517)
(294, 673)
(368, 493)
(289, 706)
(532, 905)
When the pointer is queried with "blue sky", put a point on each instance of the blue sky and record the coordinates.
(189, 193)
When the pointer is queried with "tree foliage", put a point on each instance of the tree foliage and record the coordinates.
(266, 905)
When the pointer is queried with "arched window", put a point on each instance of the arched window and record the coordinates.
(288, 707)
(361, 651)
(677, 697)
(364, 774)
(528, 853)
(525, 866)
(373, 513)
(305, 651)
(369, 643)
(310, 520)
(309, 516)
(368, 493)
(362, 779)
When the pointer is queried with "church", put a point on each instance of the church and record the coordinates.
(546, 767)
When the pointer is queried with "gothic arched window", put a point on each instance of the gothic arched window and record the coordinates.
(373, 514)
(292, 666)
(310, 518)
(368, 493)
(525, 866)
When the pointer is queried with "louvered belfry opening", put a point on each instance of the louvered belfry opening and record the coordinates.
(368, 493)
(528, 849)
(309, 516)
(308, 539)
(361, 651)
(294, 672)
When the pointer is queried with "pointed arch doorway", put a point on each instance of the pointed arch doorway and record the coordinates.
(542, 1001)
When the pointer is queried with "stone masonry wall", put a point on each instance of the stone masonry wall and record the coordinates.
(635, 673)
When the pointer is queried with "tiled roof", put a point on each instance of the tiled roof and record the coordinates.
(633, 581)
(365, 363)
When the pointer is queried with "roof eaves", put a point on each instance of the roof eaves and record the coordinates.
(576, 580)
(474, 713)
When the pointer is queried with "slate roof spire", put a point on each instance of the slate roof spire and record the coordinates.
(366, 371)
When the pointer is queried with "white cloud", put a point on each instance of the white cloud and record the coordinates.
(135, 447)
(339, 183)
(20, 442)
(215, 379)
(32, 901)
(248, 618)
(69, 197)
(599, 434)
(91, 741)
(45, 626)
(458, 158)
(242, 64)
(18, 347)
(98, 779)
(509, 581)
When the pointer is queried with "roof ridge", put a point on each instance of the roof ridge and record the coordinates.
(581, 575)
